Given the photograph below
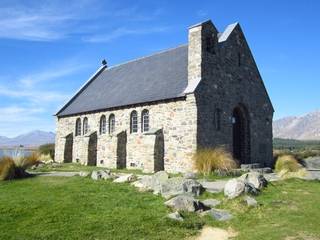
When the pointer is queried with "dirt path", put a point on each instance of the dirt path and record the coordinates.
(211, 233)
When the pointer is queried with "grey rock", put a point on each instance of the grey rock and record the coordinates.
(84, 174)
(190, 175)
(214, 187)
(106, 174)
(272, 177)
(250, 189)
(250, 166)
(95, 175)
(175, 216)
(234, 188)
(125, 178)
(218, 214)
(184, 203)
(179, 185)
(251, 202)
(211, 202)
(254, 178)
(151, 182)
(312, 163)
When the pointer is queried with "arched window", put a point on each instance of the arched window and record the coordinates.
(239, 59)
(133, 122)
(145, 121)
(217, 119)
(85, 125)
(78, 127)
(103, 124)
(112, 123)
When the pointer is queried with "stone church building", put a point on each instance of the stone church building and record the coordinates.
(154, 112)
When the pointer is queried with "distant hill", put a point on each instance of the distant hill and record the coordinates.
(31, 139)
(306, 127)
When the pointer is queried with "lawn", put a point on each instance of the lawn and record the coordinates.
(79, 208)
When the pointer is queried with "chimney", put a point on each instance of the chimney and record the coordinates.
(104, 63)
(203, 41)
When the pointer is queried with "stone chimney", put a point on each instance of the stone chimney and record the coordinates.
(203, 41)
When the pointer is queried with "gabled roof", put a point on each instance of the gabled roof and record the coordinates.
(158, 77)
(161, 76)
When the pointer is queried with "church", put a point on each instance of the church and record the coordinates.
(153, 113)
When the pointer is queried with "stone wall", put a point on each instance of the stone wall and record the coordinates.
(176, 119)
(227, 83)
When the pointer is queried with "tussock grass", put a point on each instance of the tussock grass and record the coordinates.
(208, 160)
(287, 163)
(7, 168)
(15, 167)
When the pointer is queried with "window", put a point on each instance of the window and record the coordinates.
(103, 124)
(217, 119)
(145, 121)
(133, 122)
(85, 125)
(78, 127)
(239, 59)
(112, 122)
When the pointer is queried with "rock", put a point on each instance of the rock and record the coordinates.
(84, 174)
(175, 216)
(178, 185)
(234, 188)
(250, 189)
(95, 175)
(184, 203)
(192, 186)
(151, 182)
(272, 177)
(214, 187)
(161, 176)
(254, 178)
(106, 174)
(251, 202)
(312, 162)
(218, 214)
(190, 175)
(125, 178)
(211, 202)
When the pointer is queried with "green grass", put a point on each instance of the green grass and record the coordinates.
(74, 167)
(79, 208)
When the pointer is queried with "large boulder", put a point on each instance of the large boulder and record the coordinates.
(184, 203)
(178, 185)
(101, 174)
(210, 203)
(125, 178)
(151, 182)
(312, 162)
(255, 179)
(218, 214)
(234, 188)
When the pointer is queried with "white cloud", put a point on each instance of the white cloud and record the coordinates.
(53, 20)
(121, 32)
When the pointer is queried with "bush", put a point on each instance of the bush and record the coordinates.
(7, 168)
(209, 159)
(287, 163)
(47, 149)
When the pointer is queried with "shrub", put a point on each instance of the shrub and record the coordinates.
(7, 168)
(47, 149)
(287, 163)
(209, 159)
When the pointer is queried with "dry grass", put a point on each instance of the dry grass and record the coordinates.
(7, 168)
(287, 163)
(210, 159)
(14, 167)
(25, 162)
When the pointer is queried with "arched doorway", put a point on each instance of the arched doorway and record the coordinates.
(241, 134)
(68, 148)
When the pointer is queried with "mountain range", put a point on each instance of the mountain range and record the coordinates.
(306, 127)
(31, 139)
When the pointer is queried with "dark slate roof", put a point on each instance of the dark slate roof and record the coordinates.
(161, 76)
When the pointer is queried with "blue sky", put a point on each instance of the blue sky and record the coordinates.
(48, 49)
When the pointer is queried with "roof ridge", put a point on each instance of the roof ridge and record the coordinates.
(148, 56)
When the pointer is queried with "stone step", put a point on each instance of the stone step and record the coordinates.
(261, 170)
(250, 166)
